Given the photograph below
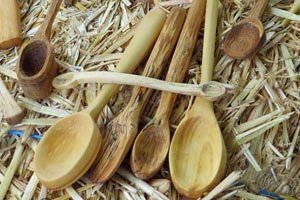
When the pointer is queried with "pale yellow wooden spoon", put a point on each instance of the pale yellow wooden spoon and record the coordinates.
(69, 147)
(197, 156)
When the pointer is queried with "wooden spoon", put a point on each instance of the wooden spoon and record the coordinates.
(245, 39)
(69, 147)
(121, 131)
(12, 112)
(210, 90)
(36, 66)
(152, 144)
(10, 24)
(197, 156)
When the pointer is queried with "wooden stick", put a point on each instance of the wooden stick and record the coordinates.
(210, 90)
(12, 112)
(10, 24)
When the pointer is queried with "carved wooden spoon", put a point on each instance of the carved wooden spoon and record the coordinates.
(152, 144)
(245, 38)
(197, 156)
(121, 131)
(68, 148)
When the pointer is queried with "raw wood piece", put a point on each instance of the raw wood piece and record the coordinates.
(70, 146)
(121, 131)
(10, 24)
(36, 66)
(12, 112)
(245, 39)
(152, 144)
(197, 156)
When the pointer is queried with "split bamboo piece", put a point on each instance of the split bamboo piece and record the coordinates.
(121, 131)
(12, 112)
(10, 24)
(197, 156)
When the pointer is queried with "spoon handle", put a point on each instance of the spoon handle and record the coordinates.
(259, 8)
(12, 112)
(45, 29)
(143, 40)
(160, 55)
(182, 55)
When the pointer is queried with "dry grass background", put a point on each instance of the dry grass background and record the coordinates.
(259, 120)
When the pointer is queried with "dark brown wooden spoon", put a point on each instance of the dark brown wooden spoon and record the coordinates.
(36, 66)
(245, 39)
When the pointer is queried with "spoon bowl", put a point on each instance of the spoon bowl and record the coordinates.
(33, 57)
(67, 150)
(150, 148)
(244, 39)
(206, 156)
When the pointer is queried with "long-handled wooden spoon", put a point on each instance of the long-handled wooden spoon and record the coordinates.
(197, 156)
(210, 90)
(10, 24)
(121, 131)
(245, 38)
(69, 147)
(36, 66)
(12, 112)
(152, 144)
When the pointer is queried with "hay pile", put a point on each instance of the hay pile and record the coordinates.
(259, 120)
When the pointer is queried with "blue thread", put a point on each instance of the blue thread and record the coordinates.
(20, 133)
(266, 193)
